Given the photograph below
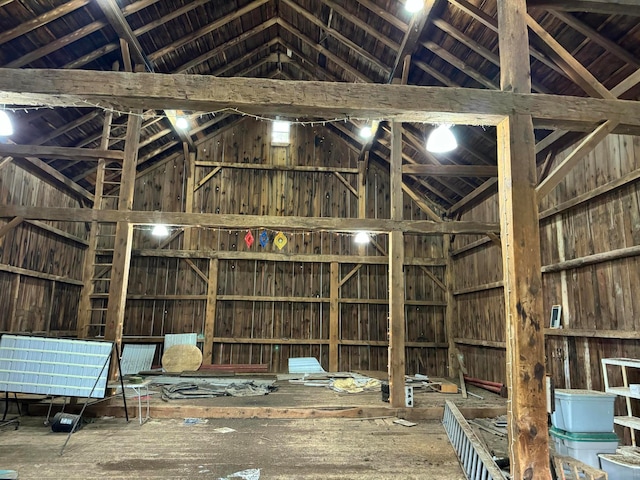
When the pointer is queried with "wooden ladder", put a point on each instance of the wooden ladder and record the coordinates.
(99, 256)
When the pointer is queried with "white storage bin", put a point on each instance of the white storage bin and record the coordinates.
(620, 467)
(584, 446)
(583, 411)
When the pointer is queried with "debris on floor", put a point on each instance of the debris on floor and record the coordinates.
(404, 423)
(195, 421)
(251, 474)
(354, 385)
(184, 390)
(223, 430)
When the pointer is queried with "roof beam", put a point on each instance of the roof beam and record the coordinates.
(384, 14)
(210, 27)
(347, 225)
(574, 69)
(75, 36)
(344, 65)
(370, 58)
(362, 25)
(610, 7)
(492, 24)
(407, 103)
(41, 20)
(117, 20)
(597, 37)
(412, 35)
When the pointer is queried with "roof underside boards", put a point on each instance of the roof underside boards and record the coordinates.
(326, 40)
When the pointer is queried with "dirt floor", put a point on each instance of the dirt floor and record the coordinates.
(281, 449)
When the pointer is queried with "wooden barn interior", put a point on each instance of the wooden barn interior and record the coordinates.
(265, 135)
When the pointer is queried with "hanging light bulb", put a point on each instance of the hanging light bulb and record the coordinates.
(413, 6)
(362, 238)
(6, 128)
(366, 132)
(182, 123)
(160, 231)
(442, 140)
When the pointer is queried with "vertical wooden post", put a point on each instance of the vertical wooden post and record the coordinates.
(517, 178)
(210, 314)
(396, 276)
(123, 239)
(52, 296)
(451, 307)
(88, 269)
(334, 317)
(190, 164)
(362, 197)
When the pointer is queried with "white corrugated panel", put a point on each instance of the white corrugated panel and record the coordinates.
(137, 358)
(171, 339)
(305, 365)
(52, 366)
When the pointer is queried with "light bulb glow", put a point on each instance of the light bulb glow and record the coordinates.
(442, 140)
(362, 238)
(160, 231)
(182, 123)
(6, 128)
(366, 132)
(413, 6)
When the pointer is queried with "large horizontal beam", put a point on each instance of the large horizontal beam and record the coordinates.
(62, 153)
(247, 221)
(309, 99)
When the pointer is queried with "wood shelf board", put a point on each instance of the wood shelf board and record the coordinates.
(626, 421)
(622, 362)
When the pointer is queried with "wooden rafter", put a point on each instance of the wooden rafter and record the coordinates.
(598, 38)
(609, 7)
(41, 20)
(574, 69)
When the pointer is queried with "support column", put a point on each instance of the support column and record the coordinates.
(123, 239)
(526, 409)
(334, 317)
(210, 314)
(396, 277)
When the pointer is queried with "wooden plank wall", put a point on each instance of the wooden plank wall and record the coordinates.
(600, 302)
(33, 304)
(303, 314)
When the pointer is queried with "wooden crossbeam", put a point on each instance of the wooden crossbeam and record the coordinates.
(346, 225)
(396, 102)
(451, 170)
(65, 153)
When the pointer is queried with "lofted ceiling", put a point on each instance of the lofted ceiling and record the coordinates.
(451, 43)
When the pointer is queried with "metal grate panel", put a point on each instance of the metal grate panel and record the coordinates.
(51, 366)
